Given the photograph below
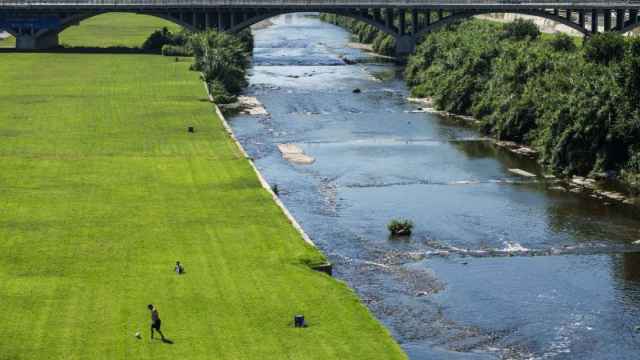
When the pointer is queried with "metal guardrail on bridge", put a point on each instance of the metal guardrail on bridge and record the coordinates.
(541, 3)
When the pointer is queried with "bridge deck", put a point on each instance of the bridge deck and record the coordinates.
(319, 4)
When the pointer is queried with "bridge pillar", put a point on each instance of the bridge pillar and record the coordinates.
(633, 16)
(402, 22)
(414, 22)
(388, 18)
(607, 20)
(620, 14)
(376, 15)
(221, 25)
(581, 20)
(405, 45)
(594, 21)
(33, 42)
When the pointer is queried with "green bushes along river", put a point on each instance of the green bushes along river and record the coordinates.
(577, 104)
(222, 58)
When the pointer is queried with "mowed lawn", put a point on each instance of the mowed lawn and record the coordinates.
(102, 189)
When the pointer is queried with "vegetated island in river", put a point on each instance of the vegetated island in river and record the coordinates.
(575, 102)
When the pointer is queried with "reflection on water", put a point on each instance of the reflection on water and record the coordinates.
(499, 265)
(631, 267)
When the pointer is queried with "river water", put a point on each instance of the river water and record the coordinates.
(498, 266)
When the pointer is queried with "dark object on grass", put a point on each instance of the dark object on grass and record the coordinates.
(357, 91)
(275, 189)
(191, 129)
(326, 268)
(400, 227)
(298, 321)
(179, 269)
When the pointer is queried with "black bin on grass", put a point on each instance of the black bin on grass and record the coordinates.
(298, 321)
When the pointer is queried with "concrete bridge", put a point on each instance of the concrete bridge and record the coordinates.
(37, 23)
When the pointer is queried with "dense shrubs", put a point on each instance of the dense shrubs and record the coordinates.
(562, 42)
(381, 43)
(520, 29)
(223, 60)
(604, 48)
(163, 37)
(400, 227)
(176, 50)
(579, 107)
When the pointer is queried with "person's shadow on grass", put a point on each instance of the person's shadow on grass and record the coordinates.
(167, 341)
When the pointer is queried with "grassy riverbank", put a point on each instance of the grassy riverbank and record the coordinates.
(102, 189)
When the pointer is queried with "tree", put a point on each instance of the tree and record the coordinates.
(562, 42)
(521, 29)
(221, 57)
(158, 39)
(604, 48)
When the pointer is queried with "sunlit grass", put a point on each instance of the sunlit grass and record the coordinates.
(114, 29)
(102, 189)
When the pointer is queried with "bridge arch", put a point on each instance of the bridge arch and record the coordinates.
(630, 27)
(75, 19)
(354, 15)
(459, 16)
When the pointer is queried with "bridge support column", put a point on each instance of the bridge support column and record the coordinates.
(594, 21)
(633, 16)
(607, 20)
(388, 17)
(581, 20)
(620, 19)
(405, 45)
(33, 42)
(221, 25)
(402, 22)
(376, 15)
(415, 27)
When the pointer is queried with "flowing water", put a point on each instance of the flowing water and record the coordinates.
(498, 266)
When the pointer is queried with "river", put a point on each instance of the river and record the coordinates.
(498, 266)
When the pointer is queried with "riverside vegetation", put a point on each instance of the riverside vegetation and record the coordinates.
(222, 58)
(103, 189)
(577, 105)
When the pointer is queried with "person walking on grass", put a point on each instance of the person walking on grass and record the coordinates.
(155, 321)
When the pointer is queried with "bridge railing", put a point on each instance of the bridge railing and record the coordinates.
(44, 3)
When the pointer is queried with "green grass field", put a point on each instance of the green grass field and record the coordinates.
(102, 189)
(9, 42)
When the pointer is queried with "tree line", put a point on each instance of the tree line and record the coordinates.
(578, 105)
